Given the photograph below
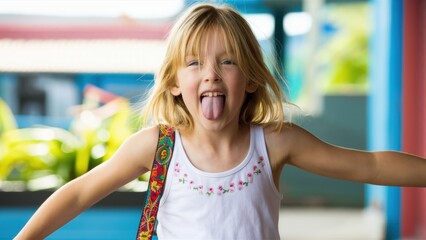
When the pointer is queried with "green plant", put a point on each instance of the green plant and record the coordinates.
(345, 55)
(51, 156)
(32, 153)
(101, 130)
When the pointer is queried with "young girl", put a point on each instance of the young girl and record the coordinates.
(231, 142)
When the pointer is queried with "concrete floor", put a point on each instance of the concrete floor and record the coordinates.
(330, 224)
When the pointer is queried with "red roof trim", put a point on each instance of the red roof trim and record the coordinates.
(16, 31)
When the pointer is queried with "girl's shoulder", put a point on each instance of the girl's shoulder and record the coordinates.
(147, 135)
(289, 135)
(141, 146)
(292, 142)
(283, 132)
(281, 141)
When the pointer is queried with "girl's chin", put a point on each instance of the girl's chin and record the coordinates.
(217, 124)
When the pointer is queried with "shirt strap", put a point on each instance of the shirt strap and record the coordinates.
(163, 154)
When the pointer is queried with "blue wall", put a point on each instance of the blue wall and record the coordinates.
(384, 104)
(98, 223)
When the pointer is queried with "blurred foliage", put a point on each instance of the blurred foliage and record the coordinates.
(47, 157)
(32, 153)
(7, 120)
(344, 57)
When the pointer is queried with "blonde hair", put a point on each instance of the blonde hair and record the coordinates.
(264, 106)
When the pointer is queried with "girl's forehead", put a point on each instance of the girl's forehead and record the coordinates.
(204, 41)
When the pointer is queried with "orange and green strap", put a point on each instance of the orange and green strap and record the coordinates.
(157, 180)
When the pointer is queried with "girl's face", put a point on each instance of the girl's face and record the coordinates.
(212, 85)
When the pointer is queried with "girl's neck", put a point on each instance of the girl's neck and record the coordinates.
(216, 151)
(217, 137)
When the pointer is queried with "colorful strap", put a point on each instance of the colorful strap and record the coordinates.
(157, 179)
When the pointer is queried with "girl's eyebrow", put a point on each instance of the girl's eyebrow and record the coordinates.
(190, 58)
(227, 54)
(224, 54)
(220, 55)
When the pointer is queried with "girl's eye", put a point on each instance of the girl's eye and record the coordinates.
(193, 63)
(228, 62)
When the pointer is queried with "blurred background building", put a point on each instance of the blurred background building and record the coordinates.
(73, 73)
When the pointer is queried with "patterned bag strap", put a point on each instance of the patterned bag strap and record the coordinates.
(157, 179)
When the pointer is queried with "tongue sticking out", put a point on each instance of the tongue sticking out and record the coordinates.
(212, 107)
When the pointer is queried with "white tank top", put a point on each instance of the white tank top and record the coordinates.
(240, 203)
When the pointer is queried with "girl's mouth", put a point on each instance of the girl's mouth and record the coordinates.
(212, 104)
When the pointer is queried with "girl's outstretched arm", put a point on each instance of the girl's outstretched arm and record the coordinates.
(296, 146)
(131, 160)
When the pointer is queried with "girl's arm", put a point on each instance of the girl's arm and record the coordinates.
(307, 152)
(131, 160)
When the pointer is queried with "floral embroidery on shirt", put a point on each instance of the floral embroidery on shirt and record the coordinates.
(261, 161)
(231, 187)
(221, 189)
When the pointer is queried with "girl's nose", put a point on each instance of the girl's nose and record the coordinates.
(211, 73)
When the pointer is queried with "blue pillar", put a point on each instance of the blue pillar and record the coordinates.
(385, 103)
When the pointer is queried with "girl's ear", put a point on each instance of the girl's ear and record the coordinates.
(175, 90)
(251, 87)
